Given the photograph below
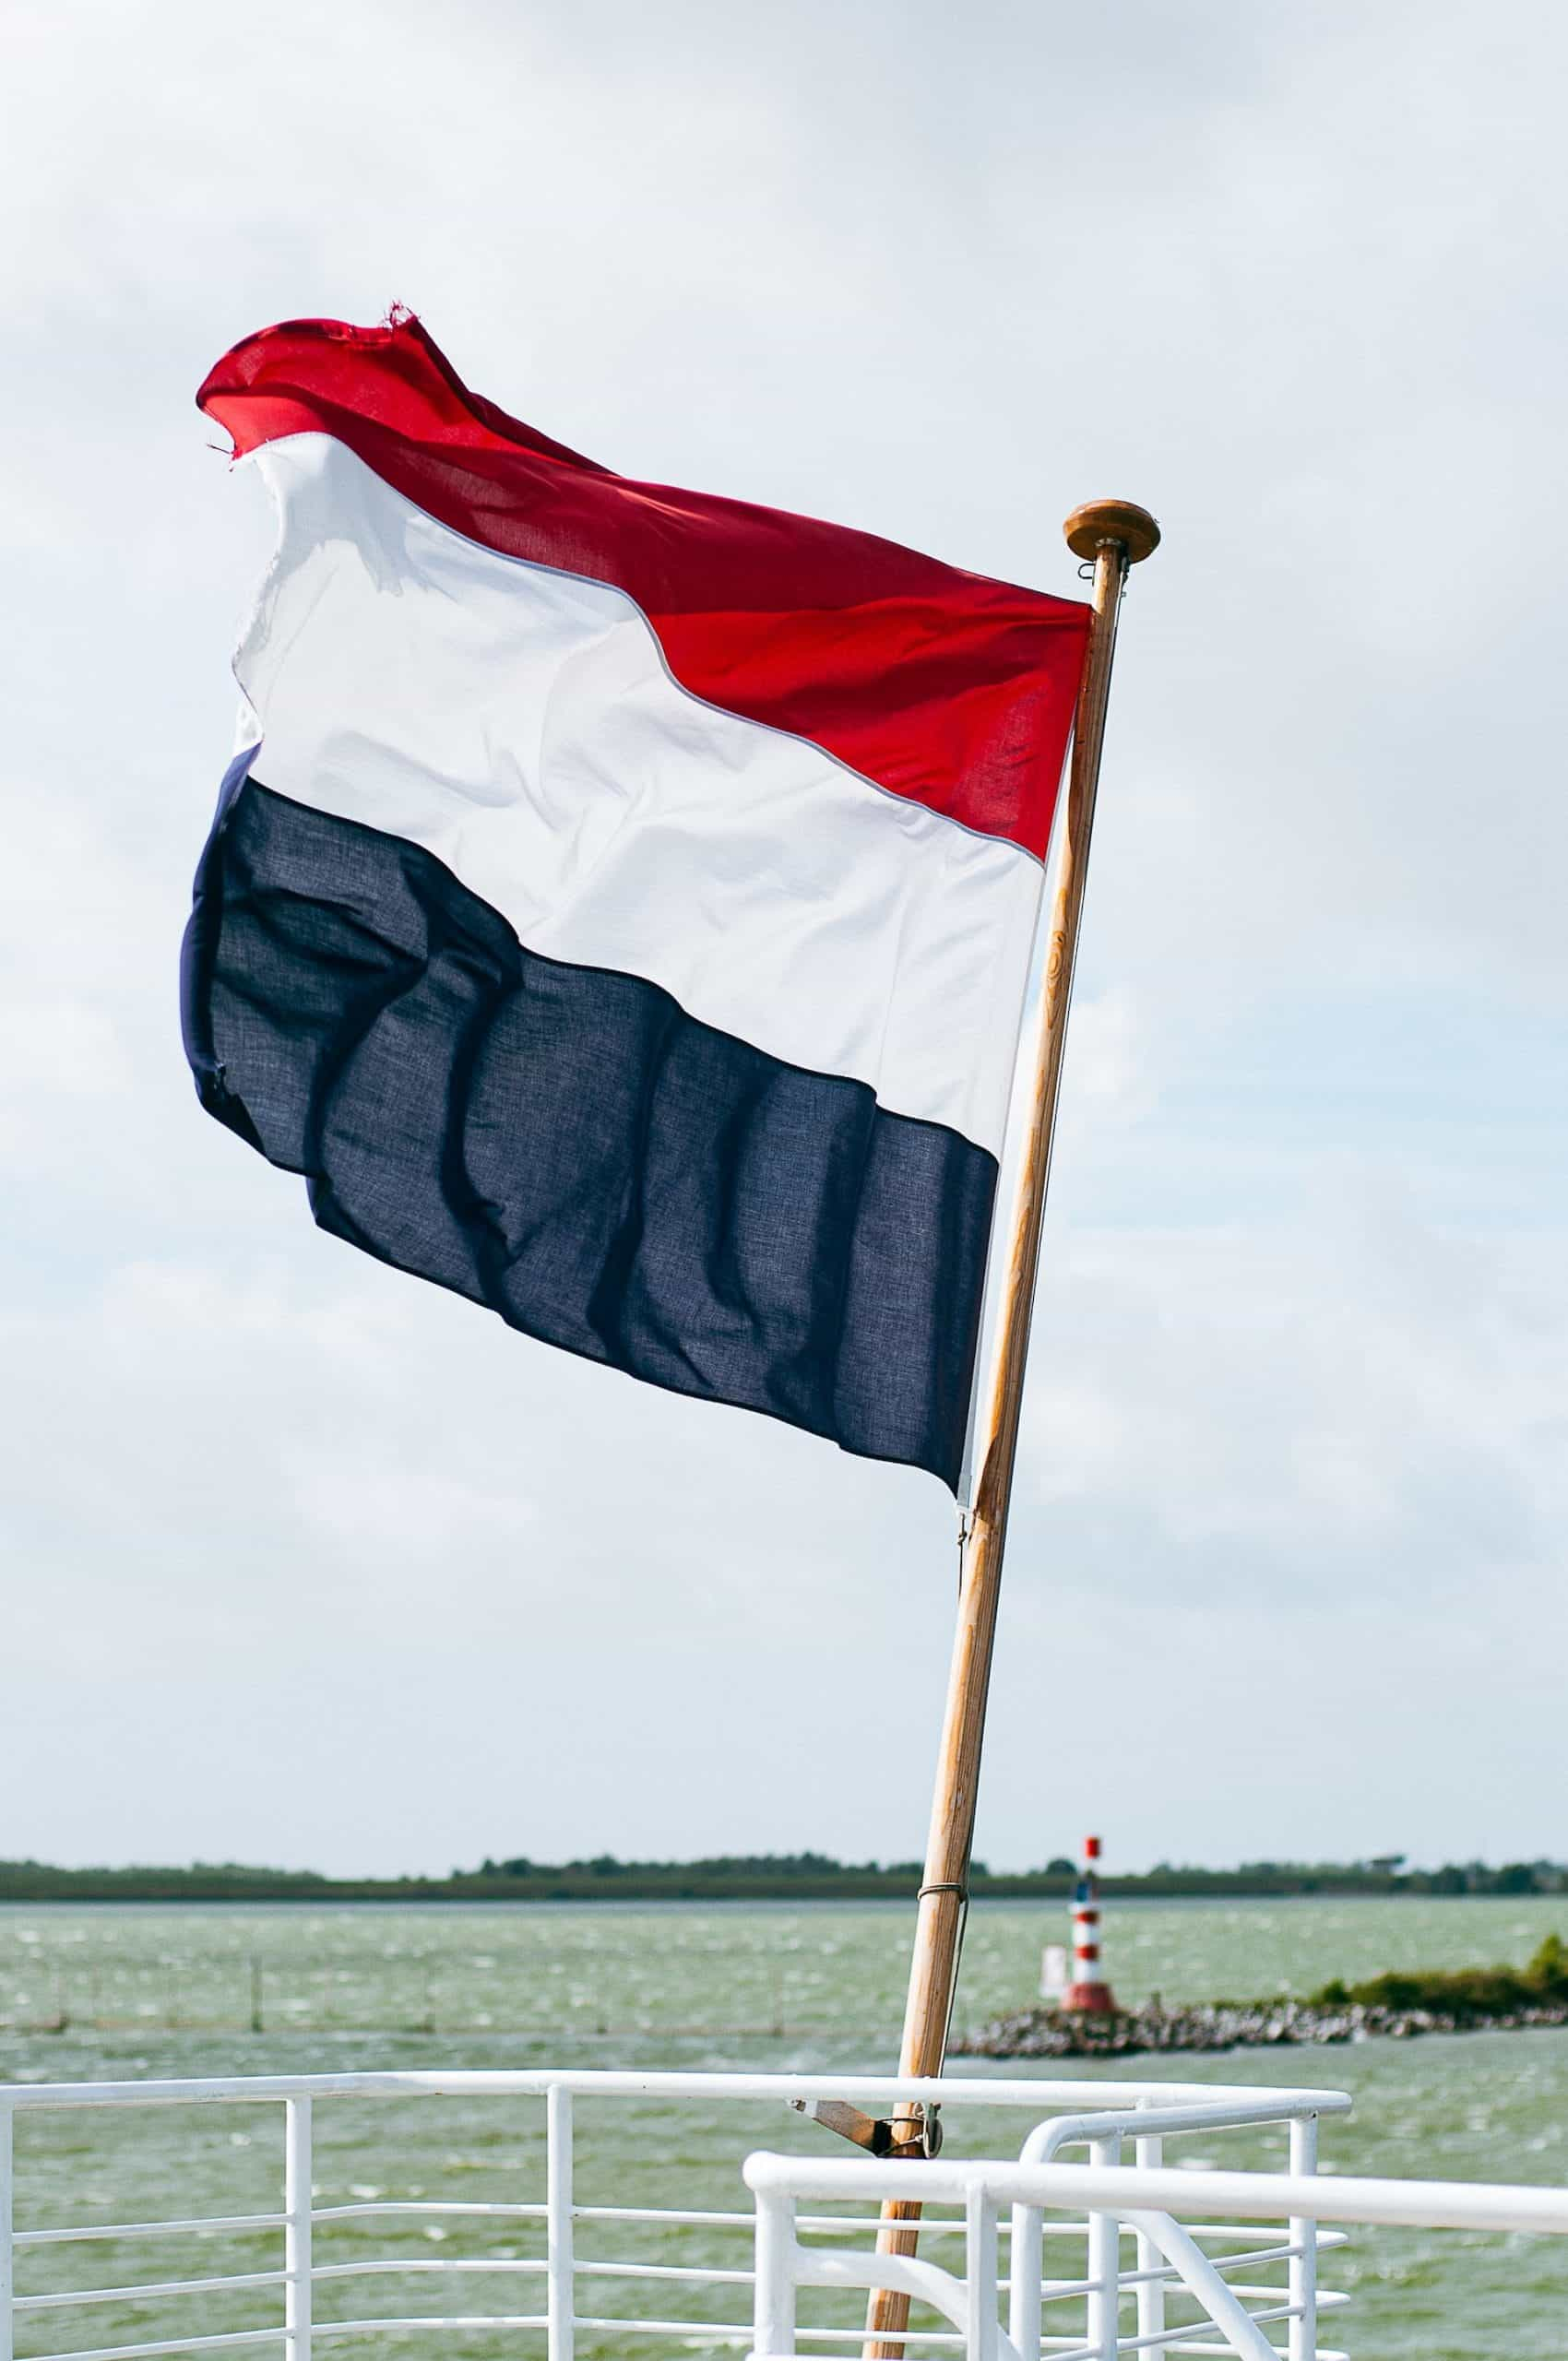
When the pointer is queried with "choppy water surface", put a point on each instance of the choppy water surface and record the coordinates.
(137, 1992)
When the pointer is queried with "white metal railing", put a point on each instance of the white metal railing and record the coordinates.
(1144, 2199)
(1099, 2114)
(1105, 2134)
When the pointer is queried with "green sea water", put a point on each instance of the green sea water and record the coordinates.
(125, 1992)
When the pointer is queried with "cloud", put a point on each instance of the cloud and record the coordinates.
(1362, 1410)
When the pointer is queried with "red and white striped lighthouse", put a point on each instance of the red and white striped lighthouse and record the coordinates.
(1089, 1992)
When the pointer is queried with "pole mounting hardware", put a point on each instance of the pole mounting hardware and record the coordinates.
(916, 2131)
(873, 2132)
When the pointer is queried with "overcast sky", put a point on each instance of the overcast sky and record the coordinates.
(307, 1563)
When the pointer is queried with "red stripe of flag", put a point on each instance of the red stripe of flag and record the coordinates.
(942, 687)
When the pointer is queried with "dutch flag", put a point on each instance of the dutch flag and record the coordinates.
(621, 908)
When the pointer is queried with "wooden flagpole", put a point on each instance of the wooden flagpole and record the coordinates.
(1112, 535)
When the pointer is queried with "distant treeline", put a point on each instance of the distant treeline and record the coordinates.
(760, 1877)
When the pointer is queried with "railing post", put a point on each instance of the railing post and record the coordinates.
(297, 2176)
(1026, 2269)
(980, 2269)
(1302, 2336)
(1149, 2152)
(561, 2278)
(1105, 2263)
(773, 2314)
(7, 2226)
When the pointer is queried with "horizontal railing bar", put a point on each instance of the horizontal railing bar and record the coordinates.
(418, 2320)
(747, 2336)
(1224, 2352)
(878, 2090)
(1224, 2262)
(675, 2328)
(1127, 2191)
(232, 2338)
(711, 2276)
(1185, 2119)
(1055, 2291)
(154, 2229)
(1069, 2348)
(135, 2293)
(703, 2221)
(1326, 2297)
(1227, 2353)
(692, 2218)
(727, 2332)
(392, 2265)
(1233, 2232)
(386, 2207)
(665, 2215)
(698, 2220)
(732, 2332)
(420, 2266)
(1004, 2229)
(728, 2329)
(857, 2335)
(1169, 2338)
(1061, 2291)
(1325, 2237)
(715, 2331)
(1292, 2253)
(1063, 2348)
(931, 2224)
(201, 2224)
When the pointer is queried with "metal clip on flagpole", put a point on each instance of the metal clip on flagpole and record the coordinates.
(1111, 536)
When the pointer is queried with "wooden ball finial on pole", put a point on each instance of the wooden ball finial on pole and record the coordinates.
(1089, 529)
(1111, 535)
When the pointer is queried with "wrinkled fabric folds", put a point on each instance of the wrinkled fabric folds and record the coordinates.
(567, 1146)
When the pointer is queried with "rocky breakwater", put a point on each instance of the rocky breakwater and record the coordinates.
(1474, 2000)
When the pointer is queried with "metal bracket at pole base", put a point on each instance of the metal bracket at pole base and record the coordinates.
(916, 2135)
(873, 2132)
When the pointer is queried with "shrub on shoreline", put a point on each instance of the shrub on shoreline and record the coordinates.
(1466, 1994)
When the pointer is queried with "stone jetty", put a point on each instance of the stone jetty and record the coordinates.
(1395, 2005)
(1232, 2024)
